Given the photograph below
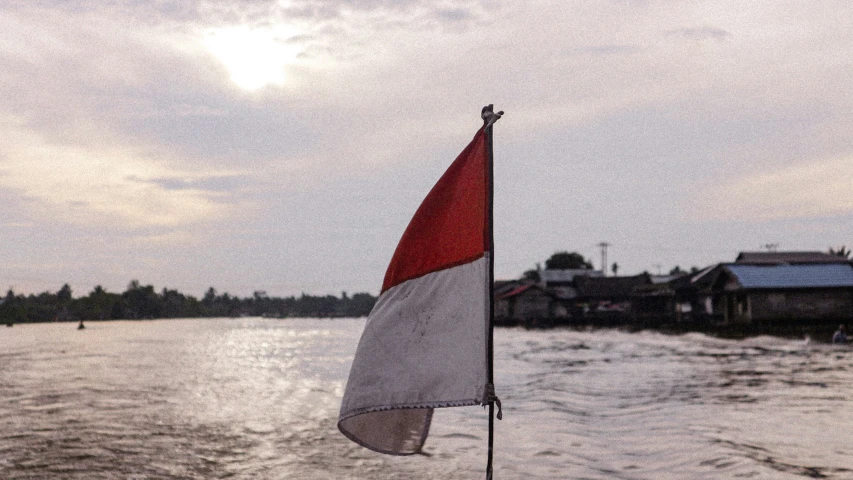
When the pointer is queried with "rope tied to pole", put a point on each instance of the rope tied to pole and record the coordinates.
(491, 397)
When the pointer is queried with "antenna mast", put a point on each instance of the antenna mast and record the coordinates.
(604, 246)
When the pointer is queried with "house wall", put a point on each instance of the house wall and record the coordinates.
(732, 307)
(503, 308)
(801, 304)
(534, 304)
(529, 305)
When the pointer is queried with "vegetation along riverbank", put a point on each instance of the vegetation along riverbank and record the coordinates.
(789, 294)
(144, 302)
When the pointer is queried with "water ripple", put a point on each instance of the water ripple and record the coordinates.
(258, 399)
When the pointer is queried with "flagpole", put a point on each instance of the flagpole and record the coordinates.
(489, 118)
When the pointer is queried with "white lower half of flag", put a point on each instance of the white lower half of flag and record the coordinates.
(423, 347)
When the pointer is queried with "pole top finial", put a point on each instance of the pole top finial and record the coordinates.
(489, 116)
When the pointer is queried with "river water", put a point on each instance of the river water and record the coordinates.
(258, 399)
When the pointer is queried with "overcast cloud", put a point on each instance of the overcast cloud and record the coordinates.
(283, 146)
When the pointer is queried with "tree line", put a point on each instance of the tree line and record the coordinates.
(144, 302)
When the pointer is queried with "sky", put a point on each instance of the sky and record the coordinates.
(284, 145)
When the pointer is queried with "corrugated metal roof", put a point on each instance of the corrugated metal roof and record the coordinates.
(523, 288)
(610, 286)
(514, 291)
(788, 257)
(567, 275)
(793, 276)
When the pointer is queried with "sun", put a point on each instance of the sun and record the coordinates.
(255, 57)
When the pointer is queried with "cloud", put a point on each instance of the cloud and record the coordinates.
(157, 90)
(118, 114)
(603, 50)
(210, 184)
(110, 184)
(700, 33)
(816, 189)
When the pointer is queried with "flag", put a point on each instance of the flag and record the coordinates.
(424, 344)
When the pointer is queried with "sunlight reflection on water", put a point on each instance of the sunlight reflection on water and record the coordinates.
(257, 398)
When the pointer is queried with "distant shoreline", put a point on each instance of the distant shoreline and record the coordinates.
(143, 302)
(809, 331)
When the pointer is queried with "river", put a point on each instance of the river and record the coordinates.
(258, 398)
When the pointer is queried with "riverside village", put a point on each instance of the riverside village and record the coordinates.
(789, 293)
(796, 294)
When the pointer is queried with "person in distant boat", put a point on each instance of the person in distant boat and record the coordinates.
(80, 326)
(840, 335)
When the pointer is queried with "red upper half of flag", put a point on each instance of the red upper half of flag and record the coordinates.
(450, 226)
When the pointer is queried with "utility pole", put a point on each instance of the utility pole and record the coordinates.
(604, 246)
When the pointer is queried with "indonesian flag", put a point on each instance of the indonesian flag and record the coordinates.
(424, 343)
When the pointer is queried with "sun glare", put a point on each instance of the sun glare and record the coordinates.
(255, 58)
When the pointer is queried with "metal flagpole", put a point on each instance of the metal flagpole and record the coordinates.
(489, 118)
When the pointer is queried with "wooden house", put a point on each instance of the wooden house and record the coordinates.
(528, 304)
(562, 283)
(608, 299)
(747, 292)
